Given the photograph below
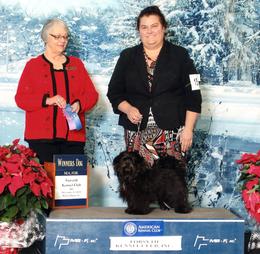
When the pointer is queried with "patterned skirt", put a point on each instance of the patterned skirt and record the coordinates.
(153, 143)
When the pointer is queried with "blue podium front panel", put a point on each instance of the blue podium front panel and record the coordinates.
(147, 235)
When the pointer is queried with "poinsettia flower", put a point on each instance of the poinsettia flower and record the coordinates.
(46, 189)
(3, 152)
(248, 157)
(49, 181)
(256, 214)
(25, 150)
(254, 170)
(15, 158)
(245, 197)
(40, 178)
(34, 163)
(12, 168)
(16, 141)
(19, 167)
(257, 208)
(16, 184)
(44, 174)
(35, 188)
(29, 177)
(4, 182)
(250, 175)
(2, 170)
(251, 184)
(254, 199)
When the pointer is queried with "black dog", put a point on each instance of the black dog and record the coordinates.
(141, 185)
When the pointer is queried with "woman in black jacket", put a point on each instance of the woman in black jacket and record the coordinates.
(154, 89)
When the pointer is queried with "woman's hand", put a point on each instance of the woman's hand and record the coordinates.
(75, 107)
(56, 100)
(186, 137)
(134, 115)
(132, 112)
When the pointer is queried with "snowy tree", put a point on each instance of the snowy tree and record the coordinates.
(21, 37)
(242, 32)
(123, 26)
(88, 35)
(4, 38)
(197, 25)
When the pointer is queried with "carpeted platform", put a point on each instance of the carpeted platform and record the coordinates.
(118, 213)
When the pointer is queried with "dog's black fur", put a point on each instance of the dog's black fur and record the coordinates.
(141, 185)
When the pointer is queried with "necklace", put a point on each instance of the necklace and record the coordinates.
(149, 58)
(150, 69)
(153, 61)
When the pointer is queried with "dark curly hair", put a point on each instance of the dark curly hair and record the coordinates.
(151, 10)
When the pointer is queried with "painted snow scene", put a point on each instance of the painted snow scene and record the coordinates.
(222, 38)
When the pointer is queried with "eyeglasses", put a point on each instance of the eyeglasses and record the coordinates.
(58, 37)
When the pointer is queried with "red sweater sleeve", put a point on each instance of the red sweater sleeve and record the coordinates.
(28, 97)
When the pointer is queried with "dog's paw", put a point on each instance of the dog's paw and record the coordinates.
(138, 211)
(182, 209)
(128, 210)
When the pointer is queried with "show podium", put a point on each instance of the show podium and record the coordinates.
(100, 230)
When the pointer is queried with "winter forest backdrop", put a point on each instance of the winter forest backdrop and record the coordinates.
(222, 37)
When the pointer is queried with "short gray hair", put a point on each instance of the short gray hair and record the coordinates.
(50, 23)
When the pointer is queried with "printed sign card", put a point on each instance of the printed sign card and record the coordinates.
(71, 181)
(194, 80)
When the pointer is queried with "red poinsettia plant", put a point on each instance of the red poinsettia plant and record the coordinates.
(24, 184)
(250, 178)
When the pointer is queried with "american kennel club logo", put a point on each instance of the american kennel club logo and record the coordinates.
(130, 228)
(144, 236)
(143, 228)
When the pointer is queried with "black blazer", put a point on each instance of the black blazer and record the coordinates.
(171, 94)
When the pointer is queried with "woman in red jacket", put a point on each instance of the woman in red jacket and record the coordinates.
(48, 83)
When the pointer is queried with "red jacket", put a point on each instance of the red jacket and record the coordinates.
(37, 83)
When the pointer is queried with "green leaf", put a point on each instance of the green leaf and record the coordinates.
(22, 203)
(35, 159)
(38, 211)
(10, 214)
(37, 204)
(34, 203)
(25, 211)
(33, 199)
(6, 201)
(22, 191)
(2, 203)
(4, 219)
(44, 203)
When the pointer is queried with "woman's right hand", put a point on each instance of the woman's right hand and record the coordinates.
(56, 100)
(132, 112)
(134, 115)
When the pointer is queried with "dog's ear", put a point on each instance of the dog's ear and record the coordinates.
(120, 161)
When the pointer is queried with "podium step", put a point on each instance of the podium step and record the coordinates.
(98, 230)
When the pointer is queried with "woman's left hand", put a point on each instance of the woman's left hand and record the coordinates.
(186, 139)
(75, 107)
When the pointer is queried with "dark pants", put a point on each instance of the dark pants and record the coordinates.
(45, 151)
